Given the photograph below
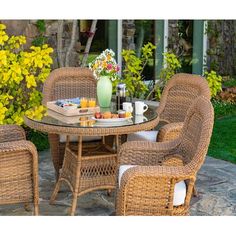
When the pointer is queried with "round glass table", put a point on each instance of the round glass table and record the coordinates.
(88, 167)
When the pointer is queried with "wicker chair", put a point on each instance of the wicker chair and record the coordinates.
(67, 82)
(18, 168)
(177, 97)
(157, 178)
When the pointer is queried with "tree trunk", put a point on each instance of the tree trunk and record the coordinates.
(140, 41)
(72, 42)
(59, 43)
(89, 42)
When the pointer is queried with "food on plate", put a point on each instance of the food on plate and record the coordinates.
(98, 115)
(106, 115)
(128, 114)
(109, 115)
(121, 114)
(68, 102)
(114, 116)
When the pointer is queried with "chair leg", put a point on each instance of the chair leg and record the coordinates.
(109, 192)
(74, 203)
(55, 192)
(195, 193)
(36, 209)
(27, 206)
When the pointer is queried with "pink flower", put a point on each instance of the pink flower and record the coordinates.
(109, 66)
(117, 68)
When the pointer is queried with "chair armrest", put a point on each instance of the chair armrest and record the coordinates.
(145, 153)
(10, 133)
(152, 187)
(17, 146)
(169, 132)
(18, 156)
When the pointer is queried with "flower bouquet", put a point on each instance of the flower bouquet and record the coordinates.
(105, 65)
(105, 70)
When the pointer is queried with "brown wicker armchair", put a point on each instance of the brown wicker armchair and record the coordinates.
(18, 168)
(157, 178)
(67, 82)
(177, 97)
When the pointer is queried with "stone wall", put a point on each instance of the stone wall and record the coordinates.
(221, 54)
(30, 30)
(222, 46)
(128, 34)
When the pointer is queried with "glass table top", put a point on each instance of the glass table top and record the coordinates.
(83, 121)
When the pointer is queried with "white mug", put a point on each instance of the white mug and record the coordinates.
(127, 106)
(140, 108)
(140, 119)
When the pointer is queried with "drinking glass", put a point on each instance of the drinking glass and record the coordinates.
(84, 102)
(92, 102)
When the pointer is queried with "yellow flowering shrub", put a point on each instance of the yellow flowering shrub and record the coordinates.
(21, 74)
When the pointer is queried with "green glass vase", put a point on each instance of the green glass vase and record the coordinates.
(104, 91)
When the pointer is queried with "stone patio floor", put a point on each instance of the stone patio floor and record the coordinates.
(216, 184)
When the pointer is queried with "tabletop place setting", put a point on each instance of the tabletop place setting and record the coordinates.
(86, 111)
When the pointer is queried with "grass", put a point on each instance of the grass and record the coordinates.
(222, 108)
(223, 141)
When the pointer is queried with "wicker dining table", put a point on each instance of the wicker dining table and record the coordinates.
(91, 167)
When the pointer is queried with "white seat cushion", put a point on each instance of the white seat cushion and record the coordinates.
(74, 138)
(122, 170)
(179, 191)
(143, 136)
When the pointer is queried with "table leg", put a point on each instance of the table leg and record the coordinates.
(58, 183)
(55, 191)
(117, 146)
(117, 143)
(77, 179)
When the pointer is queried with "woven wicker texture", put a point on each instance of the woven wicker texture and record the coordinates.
(148, 189)
(177, 97)
(87, 169)
(18, 168)
(89, 166)
(62, 83)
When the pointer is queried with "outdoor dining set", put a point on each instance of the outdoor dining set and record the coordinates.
(150, 160)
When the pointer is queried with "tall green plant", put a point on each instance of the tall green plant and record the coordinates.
(134, 66)
(41, 39)
(21, 73)
(214, 82)
(171, 65)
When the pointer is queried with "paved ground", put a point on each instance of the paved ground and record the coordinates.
(216, 185)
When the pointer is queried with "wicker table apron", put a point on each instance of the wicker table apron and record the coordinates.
(87, 169)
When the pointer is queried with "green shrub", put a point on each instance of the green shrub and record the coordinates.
(214, 82)
(21, 74)
(223, 108)
(39, 139)
(133, 70)
(41, 39)
(171, 65)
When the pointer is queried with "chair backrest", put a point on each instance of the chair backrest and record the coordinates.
(196, 133)
(178, 95)
(69, 82)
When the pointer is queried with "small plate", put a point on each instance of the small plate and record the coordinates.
(112, 120)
